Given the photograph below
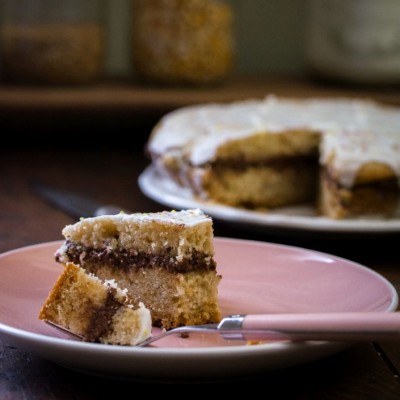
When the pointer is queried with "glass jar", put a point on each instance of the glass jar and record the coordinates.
(56, 42)
(356, 41)
(182, 41)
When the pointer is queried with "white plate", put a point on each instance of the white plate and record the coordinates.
(167, 192)
(257, 277)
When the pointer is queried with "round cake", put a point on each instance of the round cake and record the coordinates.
(341, 154)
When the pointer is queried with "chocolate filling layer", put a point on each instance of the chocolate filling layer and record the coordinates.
(122, 259)
(101, 322)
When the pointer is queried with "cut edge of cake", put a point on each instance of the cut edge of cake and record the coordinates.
(95, 310)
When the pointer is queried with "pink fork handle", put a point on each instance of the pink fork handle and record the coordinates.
(351, 326)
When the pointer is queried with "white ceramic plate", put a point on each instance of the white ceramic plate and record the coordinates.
(167, 192)
(257, 277)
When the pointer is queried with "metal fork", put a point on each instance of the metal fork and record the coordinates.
(347, 326)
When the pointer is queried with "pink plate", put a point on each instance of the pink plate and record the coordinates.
(257, 277)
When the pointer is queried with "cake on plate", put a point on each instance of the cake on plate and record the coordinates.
(342, 155)
(164, 260)
(94, 310)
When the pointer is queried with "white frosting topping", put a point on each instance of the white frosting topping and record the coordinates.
(189, 217)
(354, 131)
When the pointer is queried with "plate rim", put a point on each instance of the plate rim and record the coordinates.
(156, 191)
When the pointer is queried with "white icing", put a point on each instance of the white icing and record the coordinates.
(61, 254)
(111, 283)
(355, 131)
(189, 217)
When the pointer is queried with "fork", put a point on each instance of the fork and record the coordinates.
(346, 326)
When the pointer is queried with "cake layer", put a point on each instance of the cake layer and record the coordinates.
(375, 198)
(272, 184)
(95, 310)
(174, 299)
(176, 235)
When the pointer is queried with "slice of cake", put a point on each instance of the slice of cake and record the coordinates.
(342, 155)
(95, 310)
(360, 166)
(164, 259)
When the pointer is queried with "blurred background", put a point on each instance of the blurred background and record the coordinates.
(269, 36)
(118, 66)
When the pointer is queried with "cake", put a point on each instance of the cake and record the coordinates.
(94, 310)
(341, 155)
(163, 259)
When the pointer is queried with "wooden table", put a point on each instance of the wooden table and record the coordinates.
(363, 371)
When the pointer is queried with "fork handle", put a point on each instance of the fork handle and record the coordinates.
(346, 326)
